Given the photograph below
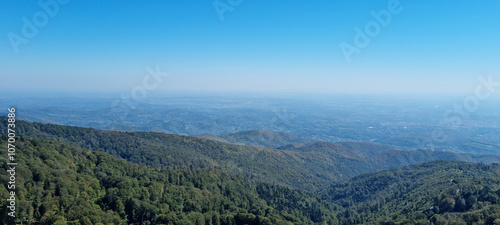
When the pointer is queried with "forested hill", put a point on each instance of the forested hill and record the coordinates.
(438, 192)
(285, 141)
(264, 138)
(57, 183)
(308, 167)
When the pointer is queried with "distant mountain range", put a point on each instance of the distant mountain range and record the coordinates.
(260, 138)
(285, 141)
(304, 166)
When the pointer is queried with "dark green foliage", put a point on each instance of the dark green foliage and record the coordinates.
(61, 183)
(167, 150)
(438, 192)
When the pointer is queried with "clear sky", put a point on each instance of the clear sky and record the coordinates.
(429, 46)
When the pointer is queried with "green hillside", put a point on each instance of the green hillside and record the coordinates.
(308, 167)
(264, 138)
(367, 149)
(172, 179)
(438, 192)
(57, 183)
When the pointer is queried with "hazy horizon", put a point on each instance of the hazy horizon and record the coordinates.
(253, 46)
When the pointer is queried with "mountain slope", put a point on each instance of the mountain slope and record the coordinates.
(308, 167)
(285, 141)
(261, 138)
(57, 183)
(367, 149)
(438, 191)
(328, 148)
(168, 150)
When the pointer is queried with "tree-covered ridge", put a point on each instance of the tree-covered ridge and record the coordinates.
(438, 192)
(285, 141)
(367, 149)
(64, 184)
(59, 183)
(161, 150)
(264, 138)
(308, 167)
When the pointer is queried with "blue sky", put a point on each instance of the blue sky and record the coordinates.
(437, 46)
